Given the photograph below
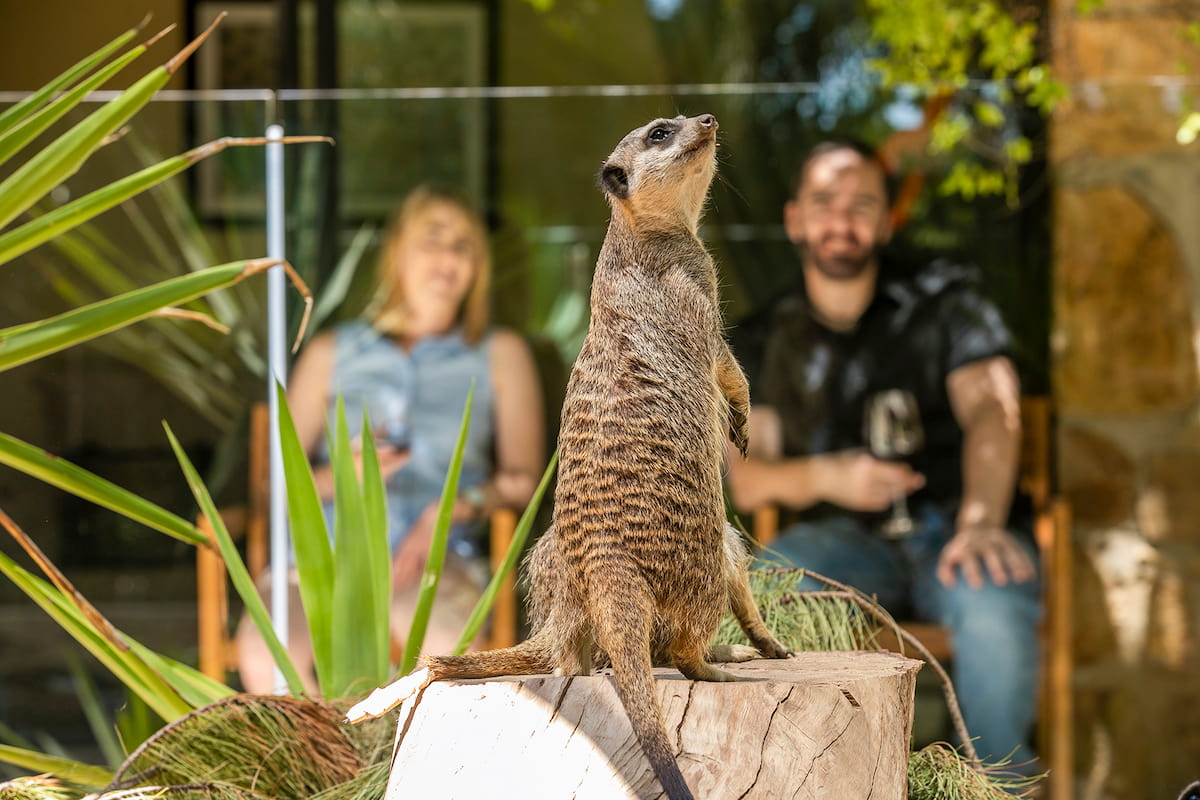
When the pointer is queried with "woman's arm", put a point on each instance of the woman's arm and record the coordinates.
(519, 424)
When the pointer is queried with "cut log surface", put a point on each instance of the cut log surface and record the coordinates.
(820, 725)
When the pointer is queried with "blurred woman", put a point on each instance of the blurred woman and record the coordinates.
(408, 363)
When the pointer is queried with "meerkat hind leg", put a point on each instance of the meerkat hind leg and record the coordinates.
(575, 654)
(688, 656)
(741, 601)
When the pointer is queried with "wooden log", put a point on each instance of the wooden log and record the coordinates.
(820, 725)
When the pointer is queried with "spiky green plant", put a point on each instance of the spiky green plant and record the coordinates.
(171, 689)
(939, 772)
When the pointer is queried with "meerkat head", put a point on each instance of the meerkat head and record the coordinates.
(659, 174)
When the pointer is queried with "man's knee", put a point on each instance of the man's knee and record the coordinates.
(1004, 616)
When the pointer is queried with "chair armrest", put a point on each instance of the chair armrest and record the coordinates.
(765, 527)
(503, 524)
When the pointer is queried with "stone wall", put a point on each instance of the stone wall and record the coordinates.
(1126, 380)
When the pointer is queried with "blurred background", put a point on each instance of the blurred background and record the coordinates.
(1089, 243)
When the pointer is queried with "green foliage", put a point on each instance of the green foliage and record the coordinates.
(984, 60)
(939, 772)
(437, 548)
(520, 536)
(169, 688)
(803, 621)
(237, 570)
(346, 587)
(214, 369)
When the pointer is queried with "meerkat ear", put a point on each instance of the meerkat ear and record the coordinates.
(614, 181)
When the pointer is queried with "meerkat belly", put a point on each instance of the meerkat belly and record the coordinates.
(640, 453)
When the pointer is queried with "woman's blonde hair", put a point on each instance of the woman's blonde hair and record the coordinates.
(387, 308)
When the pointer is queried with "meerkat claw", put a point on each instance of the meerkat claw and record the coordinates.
(385, 698)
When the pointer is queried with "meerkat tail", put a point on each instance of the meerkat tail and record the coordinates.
(622, 631)
(635, 686)
(385, 698)
(527, 658)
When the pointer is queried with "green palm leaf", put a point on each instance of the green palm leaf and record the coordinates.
(123, 663)
(310, 539)
(13, 139)
(437, 547)
(55, 471)
(47, 226)
(238, 573)
(379, 558)
(86, 775)
(63, 157)
(24, 343)
(353, 610)
(82, 67)
(520, 534)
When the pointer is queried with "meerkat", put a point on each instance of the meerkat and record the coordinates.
(639, 564)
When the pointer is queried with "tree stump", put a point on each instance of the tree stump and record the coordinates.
(820, 725)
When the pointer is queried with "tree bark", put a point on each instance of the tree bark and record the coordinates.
(819, 725)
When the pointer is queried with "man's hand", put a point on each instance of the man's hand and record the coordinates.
(974, 549)
(855, 480)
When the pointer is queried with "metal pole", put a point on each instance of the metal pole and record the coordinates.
(277, 372)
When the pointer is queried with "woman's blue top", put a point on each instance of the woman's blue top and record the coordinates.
(427, 386)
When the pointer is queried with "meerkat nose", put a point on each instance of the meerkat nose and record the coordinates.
(707, 120)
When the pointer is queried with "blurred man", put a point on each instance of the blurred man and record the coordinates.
(931, 345)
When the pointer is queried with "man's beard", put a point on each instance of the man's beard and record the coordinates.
(839, 268)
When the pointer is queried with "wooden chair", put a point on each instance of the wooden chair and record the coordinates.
(1052, 531)
(217, 648)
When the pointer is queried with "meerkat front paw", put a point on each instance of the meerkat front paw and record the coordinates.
(739, 428)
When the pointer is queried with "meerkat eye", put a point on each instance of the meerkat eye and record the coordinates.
(659, 134)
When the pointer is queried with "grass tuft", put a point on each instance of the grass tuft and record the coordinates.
(940, 772)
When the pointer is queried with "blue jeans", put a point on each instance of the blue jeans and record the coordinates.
(993, 628)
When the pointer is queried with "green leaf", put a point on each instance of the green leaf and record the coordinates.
(124, 664)
(437, 547)
(1189, 129)
(354, 654)
(47, 226)
(193, 685)
(520, 535)
(238, 573)
(24, 343)
(65, 155)
(310, 538)
(335, 289)
(16, 137)
(379, 557)
(1019, 150)
(85, 65)
(76, 772)
(37, 463)
(989, 114)
(97, 716)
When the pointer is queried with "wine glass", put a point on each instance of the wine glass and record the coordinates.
(388, 413)
(892, 430)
